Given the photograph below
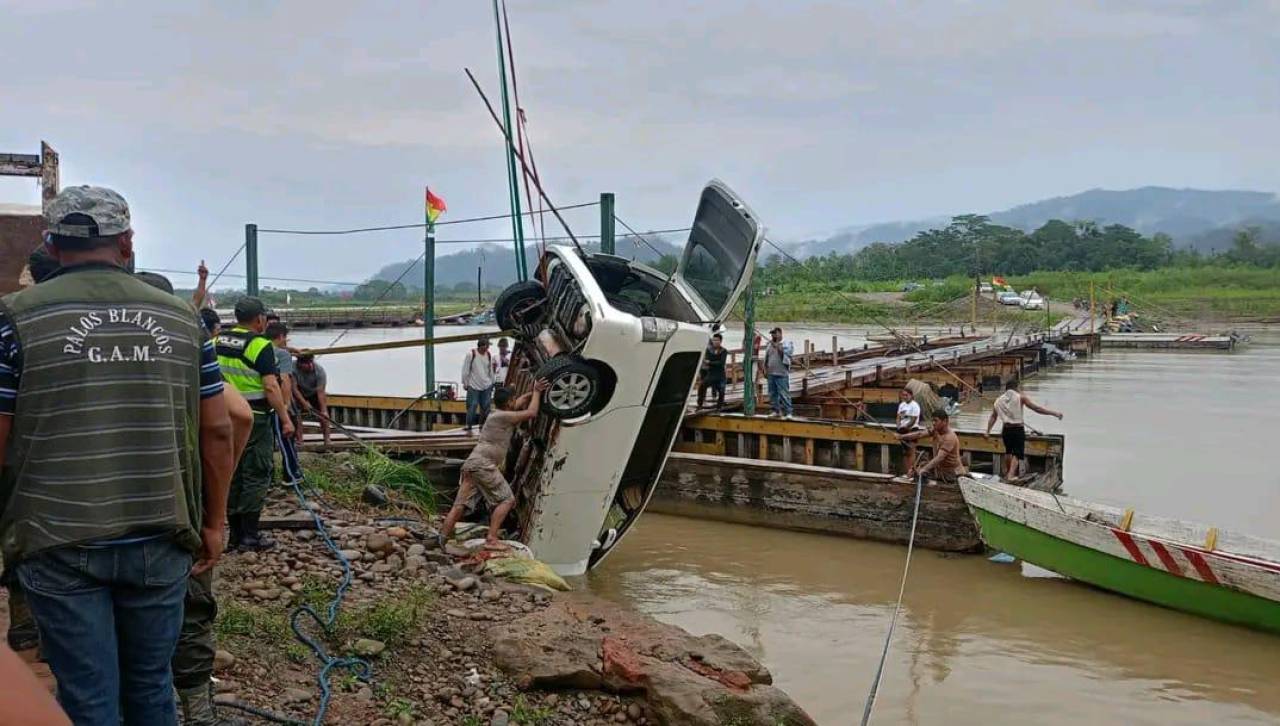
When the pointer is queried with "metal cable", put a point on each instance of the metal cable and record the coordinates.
(419, 225)
(897, 608)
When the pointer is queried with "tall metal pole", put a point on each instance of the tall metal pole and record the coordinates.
(513, 183)
(429, 305)
(251, 260)
(977, 288)
(748, 352)
(607, 225)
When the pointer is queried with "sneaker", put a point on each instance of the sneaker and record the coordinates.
(789, 417)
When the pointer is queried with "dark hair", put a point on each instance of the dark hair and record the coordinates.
(941, 414)
(276, 330)
(717, 336)
(68, 242)
(306, 357)
(248, 309)
(273, 316)
(158, 281)
(42, 264)
(210, 318)
(775, 330)
(1011, 385)
(502, 396)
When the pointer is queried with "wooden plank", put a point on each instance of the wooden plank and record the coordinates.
(764, 447)
(884, 458)
(808, 451)
(860, 456)
(393, 344)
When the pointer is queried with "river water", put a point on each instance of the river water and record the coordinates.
(1181, 434)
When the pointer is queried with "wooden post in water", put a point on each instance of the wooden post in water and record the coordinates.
(1092, 313)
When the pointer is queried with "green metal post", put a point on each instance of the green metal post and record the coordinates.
(748, 352)
(251, 260)
(429, 307)
(607, 225)
(513, 181)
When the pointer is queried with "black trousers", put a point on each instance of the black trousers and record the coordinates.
(717, 387)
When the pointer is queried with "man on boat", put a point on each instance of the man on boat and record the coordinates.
(908, 421)
(946, 466)
(483, 468)
(1009, 409)
(310, 391)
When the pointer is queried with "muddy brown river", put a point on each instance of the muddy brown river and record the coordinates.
(1186, 435)
(1179, 434)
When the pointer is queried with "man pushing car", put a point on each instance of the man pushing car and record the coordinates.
(483, 468)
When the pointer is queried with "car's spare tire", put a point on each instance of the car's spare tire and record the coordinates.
(572, 387)
(519, 305)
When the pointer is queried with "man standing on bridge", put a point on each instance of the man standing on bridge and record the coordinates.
(248, 363)
(1008, 408)
(777, 370)
(478, 372)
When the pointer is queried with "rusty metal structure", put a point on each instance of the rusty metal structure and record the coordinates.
(20, 228)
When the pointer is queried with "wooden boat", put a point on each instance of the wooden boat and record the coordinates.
(1180, 565)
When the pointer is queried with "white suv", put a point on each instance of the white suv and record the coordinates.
(620, 344)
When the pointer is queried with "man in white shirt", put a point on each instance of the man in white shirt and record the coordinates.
(1008, 408)
(502, 363)
(477, 379)
(908, 421)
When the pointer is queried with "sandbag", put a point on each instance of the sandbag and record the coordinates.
(930, 402)
(526, 572)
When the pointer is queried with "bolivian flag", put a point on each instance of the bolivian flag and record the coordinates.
(435, 206)
(997, 281)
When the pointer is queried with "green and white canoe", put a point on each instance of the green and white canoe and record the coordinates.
(1180, 565)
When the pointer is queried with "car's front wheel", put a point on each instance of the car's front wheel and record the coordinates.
(572, 386)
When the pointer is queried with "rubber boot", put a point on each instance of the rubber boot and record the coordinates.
(197, 708)
(236, 531)
(251, 538)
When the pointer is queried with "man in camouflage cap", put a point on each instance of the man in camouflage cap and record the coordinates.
(104, 520)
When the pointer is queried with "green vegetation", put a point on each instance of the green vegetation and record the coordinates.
(390, 619)
(1059, 259)
(525, 715)
(342, 478)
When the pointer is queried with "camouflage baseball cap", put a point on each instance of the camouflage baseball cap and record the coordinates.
(106, 210)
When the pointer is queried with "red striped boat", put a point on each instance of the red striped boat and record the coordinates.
(1181, 565)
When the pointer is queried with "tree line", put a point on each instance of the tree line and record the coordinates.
(972, 246)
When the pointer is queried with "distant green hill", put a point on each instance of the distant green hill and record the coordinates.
(1196, 218)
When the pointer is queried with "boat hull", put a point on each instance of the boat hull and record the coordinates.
(1125, 576)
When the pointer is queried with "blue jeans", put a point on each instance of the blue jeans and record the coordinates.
(109, 619)
(780, 394)
(478, 405)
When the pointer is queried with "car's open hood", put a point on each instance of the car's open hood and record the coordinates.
(721, 253)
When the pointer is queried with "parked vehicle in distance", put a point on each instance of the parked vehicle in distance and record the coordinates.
(620, 345)
(1009, 298)
(985, 288)
(911, 286)
(1034, 302)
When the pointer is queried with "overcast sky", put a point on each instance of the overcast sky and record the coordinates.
(325, 114)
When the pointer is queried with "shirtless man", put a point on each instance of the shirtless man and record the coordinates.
(946, 465)
(483, 468)
(1008, 410)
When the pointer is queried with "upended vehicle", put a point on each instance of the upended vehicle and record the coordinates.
(620, 344)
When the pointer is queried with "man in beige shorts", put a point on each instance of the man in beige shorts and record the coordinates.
(483, 468)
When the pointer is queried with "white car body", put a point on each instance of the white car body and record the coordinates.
(1009, 298)
(584, 481)
(1031, 300)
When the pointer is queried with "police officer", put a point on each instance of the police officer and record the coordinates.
(248, 363)
(119, 452)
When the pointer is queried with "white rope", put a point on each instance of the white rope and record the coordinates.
(893, 621)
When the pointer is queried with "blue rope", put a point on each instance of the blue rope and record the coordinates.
(362, 669)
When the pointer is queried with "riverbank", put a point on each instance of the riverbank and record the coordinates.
(450, 643)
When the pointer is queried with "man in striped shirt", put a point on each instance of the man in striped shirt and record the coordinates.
(116, 452)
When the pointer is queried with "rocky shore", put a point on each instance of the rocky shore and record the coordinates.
(449, 644)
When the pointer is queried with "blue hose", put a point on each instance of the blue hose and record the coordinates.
(361, 667)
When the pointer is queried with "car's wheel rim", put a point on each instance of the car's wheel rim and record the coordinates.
(569, 391)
